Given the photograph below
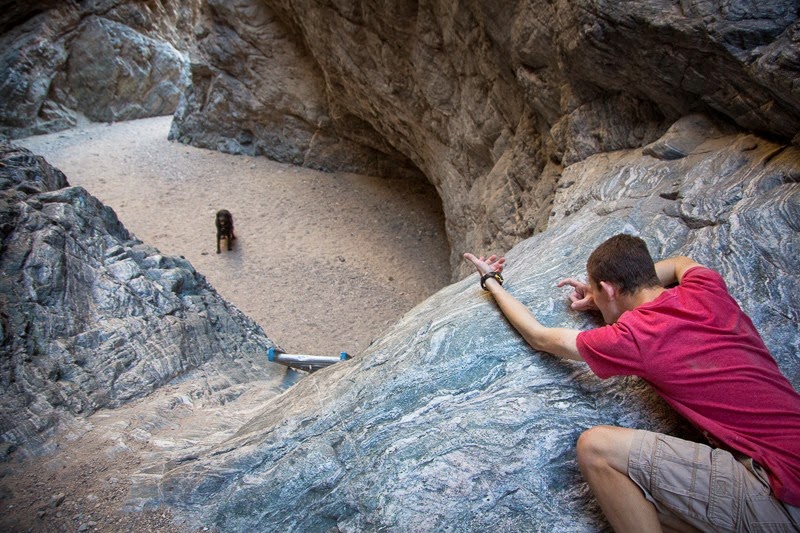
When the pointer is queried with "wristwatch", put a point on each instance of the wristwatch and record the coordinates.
(492, 274)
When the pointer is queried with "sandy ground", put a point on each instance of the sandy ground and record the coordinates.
(323, 262)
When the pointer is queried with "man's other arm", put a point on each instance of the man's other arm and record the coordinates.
(671, 271)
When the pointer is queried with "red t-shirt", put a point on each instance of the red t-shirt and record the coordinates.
(703, 355)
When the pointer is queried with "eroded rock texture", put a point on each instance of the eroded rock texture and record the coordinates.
(256, 89)
(450, 422)
(92, 318)
(106, 60)
(490, 100)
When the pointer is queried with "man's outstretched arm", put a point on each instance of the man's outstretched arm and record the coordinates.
(557, 341)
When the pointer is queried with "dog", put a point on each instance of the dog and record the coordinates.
(224, 223)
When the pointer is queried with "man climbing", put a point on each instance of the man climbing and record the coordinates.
(702, 354)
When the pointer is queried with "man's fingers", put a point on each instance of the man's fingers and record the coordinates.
(486, 264)
(474, 260)
(479, 263)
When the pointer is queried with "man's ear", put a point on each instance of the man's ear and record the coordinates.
(610, 290)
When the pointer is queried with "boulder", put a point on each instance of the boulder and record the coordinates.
(91, 318)
(107, 61)
(256, 90)
(450, 421)
(115, 73)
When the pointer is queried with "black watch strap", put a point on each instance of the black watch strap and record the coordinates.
(493, 274)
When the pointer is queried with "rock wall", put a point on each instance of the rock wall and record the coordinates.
(107, 60)
(92, 318)
(255, 89)
(491, 101)
(450, 421)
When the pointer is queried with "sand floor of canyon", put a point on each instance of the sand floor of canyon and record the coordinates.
(323, 262)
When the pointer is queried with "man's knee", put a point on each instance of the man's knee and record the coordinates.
(590, 445)
(604, 446)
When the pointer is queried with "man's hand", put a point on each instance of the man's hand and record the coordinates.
(581, 296)
(486, 264)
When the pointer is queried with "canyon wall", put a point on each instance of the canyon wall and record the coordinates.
(491, 101)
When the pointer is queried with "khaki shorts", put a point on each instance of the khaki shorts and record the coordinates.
(707, 488)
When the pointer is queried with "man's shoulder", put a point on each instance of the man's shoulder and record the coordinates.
(698, 270)
(699, 274)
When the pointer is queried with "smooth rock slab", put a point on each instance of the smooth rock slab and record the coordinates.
(451, 422)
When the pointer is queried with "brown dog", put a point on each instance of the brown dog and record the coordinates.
(225, 228)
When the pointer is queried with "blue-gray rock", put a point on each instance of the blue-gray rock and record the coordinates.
(92, 318)
(108, 61)
(114, 73)
(450, 422)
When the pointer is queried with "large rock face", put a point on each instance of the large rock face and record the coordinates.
(109, 60)
(491, 101)
(450, 422)
(92, 318)
(255, 89)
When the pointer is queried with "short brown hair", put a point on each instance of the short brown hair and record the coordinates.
(625, 261)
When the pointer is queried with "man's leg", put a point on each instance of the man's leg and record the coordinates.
(603, 458)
